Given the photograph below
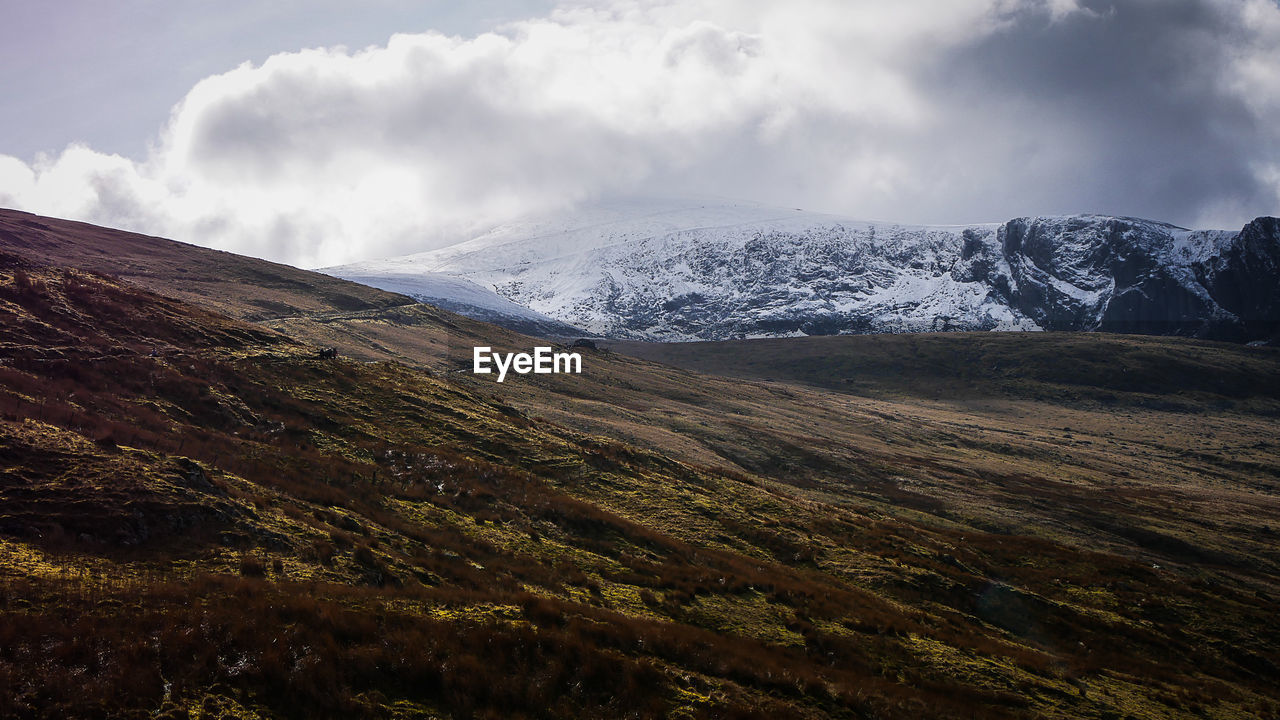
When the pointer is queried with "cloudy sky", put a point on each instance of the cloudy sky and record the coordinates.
(327, 131)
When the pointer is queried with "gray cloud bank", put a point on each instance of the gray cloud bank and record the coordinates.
(937, 111)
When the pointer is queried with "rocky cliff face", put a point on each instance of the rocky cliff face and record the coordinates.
(1245, 280)
(1126, 275)
(746, 271)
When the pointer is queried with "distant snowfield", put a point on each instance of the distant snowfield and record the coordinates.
(709, 268)
(462, 296)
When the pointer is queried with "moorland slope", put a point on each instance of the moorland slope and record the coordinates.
(200, 517)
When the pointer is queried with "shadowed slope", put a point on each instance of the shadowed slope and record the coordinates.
(1067, 367)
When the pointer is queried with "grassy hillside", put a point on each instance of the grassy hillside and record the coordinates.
(201, 518)
(232, 284)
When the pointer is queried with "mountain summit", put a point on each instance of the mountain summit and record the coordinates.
(706, 270)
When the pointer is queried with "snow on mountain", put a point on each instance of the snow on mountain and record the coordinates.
(457, 294)
(715, 269)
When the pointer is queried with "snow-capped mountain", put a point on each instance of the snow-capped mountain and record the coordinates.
(662, 270)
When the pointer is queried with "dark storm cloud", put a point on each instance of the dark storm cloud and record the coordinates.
(1137, 89)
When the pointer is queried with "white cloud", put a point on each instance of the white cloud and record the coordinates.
(878, 108)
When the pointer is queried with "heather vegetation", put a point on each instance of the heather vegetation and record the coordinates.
(201, 518)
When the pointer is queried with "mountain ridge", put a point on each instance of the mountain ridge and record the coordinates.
(645, 270)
